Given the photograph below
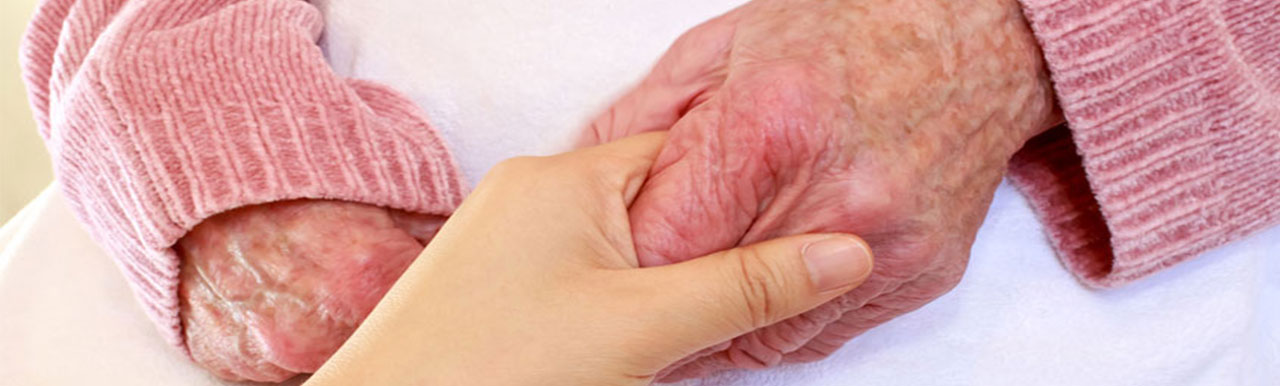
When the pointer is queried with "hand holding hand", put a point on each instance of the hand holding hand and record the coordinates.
(890, 119)
(534, 280)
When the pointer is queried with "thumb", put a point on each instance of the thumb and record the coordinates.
(709, 300)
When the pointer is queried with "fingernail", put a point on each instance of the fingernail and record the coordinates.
(836, 262)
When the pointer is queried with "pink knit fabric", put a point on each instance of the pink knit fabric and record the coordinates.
(161, 113)
(1174, 142)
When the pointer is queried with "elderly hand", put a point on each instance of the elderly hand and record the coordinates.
(534, 281)
(893, 120)
(271, 291)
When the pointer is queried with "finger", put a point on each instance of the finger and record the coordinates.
(776, 343)
(693, 67)
(586, 191)
(620, 166)
(709, 300)
(634, 152)
(904, 299)
(702, 193)
(610, 167)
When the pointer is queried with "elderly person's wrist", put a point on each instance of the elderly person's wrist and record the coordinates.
(1025, 49)
(1053, 116)
(982, 51)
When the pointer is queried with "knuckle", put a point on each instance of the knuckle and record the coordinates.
(786, 98)
(592, 167)
(946, 278)
(785, 111)
(610, 166)
(514, 174)
(513, 168)
(711, 36)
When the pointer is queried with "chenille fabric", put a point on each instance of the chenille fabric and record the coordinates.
(1172, 142)
(161, 113)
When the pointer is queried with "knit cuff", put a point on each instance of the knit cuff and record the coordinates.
(1173, 146)
(164, 126)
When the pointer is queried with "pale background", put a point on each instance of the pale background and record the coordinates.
(24, 165)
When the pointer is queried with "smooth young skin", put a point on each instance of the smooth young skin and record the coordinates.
(534, 280)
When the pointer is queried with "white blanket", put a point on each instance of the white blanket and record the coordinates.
(502, 78)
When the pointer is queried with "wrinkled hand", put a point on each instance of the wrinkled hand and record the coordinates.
(533, 281)
(271, 291)
(893, 120)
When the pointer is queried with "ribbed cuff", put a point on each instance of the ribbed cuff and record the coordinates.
(165, 125)
(1173, 147)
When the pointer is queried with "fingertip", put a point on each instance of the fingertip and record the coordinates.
(837, 263)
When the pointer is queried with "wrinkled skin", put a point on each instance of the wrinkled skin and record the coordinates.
(891, 120)
(271, 291)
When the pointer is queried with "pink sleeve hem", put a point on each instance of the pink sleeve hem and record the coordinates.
(161, 113)
(1173, 147)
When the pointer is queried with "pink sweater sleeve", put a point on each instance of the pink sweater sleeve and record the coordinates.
(1173, 145)
(161, 113)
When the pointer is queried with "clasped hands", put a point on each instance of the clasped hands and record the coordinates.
(889, 120)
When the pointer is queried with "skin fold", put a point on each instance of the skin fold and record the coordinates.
(892, 120)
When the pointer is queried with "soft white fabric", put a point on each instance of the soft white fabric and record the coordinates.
(503, 78)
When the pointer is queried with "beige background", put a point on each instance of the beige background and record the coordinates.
(24, 165)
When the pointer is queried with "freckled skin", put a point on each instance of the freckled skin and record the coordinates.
(271, 291)
(891, 120)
